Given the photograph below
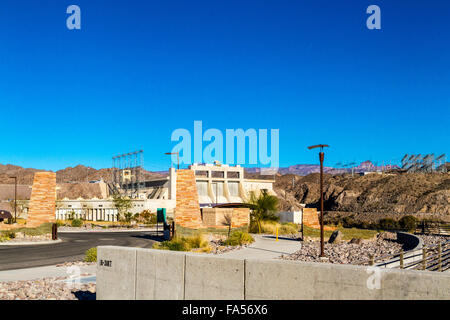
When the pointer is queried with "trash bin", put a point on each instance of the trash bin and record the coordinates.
(166, 235)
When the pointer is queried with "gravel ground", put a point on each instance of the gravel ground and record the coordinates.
(352, 253)
(218, 247)
(76, 263)
(345, 252)
(96, 228)
(21, 237)
(430, 240)
(45, 289)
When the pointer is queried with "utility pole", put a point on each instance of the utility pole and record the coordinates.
(321, 158)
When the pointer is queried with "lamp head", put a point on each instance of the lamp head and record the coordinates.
(321, 146)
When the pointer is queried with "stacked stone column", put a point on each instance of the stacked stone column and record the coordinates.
(187, 212)
(43, 199)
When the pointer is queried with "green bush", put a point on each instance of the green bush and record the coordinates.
(238, 238)
(7, 235)
(348, 222)
(10, 234)
(77, 223)
(388, 224)
(408, 223)
(91, 255)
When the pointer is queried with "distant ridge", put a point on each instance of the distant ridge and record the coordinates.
(81, 173)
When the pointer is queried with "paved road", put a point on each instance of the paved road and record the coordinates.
(72, 248)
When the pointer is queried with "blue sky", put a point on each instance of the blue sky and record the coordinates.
(137, 70)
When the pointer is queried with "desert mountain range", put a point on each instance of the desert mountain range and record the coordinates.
(295, 185)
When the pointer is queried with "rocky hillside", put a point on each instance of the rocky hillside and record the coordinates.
(387, 193)
(79, 173)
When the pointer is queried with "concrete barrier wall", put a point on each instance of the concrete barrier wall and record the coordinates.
(214, 278)
(133, 273)
(159, 275)
(116, 270)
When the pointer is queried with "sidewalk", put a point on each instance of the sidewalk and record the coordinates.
(43, 272)
(265, 247)
(108, 230)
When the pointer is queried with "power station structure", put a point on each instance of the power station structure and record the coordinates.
(424, 163)
(127, 172)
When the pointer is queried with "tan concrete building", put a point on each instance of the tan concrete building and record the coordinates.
(216, 184)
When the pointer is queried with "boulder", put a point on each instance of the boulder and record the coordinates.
(335, 237)
(356, 241)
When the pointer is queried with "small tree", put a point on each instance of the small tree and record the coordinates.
(263, 208)
(21, 205)
(128, 216)
(228, 221)
(122, 204)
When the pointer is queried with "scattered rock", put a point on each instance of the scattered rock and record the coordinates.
(356, 241)
(46, 289)
(387, 236)
(345, 252)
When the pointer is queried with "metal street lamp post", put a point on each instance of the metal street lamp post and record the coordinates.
(321, 158)
(15, 198)
(178, 158)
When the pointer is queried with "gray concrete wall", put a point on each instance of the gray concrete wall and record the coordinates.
(214, 278)
(156, 274)
(160, 275)
(116, 269)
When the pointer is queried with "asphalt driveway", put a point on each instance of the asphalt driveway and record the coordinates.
(72, 248)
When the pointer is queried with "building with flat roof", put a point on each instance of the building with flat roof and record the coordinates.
(217, 184)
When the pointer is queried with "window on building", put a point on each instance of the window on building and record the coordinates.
(201, 173)
(217, 174)
(233, 174)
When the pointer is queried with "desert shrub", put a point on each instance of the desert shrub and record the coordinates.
(146, 217)
(10, 234)
(388, 224)
(91, 255)
(184, 244)
(239, 238)
(60, 223)
(348, 222)
(196, 241)
(408, 223)
(7, 235)
(76, 223)
(365, 225)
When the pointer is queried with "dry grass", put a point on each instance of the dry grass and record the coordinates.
(270, 227)
(349, 233)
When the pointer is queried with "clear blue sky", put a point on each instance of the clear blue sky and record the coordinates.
(137, 70)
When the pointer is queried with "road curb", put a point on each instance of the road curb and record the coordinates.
(28, 243)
